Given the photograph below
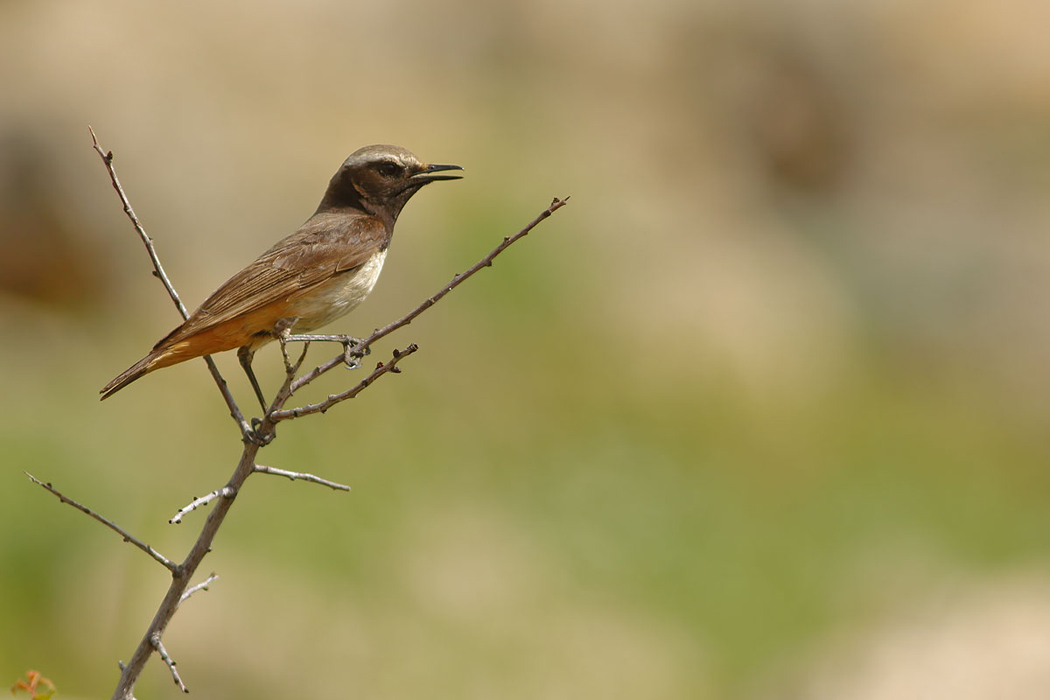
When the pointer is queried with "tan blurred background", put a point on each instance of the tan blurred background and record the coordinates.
(762, 414)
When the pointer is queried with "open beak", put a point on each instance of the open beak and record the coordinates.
(426, 175)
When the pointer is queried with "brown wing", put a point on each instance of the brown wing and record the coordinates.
(327, 244)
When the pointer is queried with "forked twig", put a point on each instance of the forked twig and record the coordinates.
(333, 399)
(179, 590)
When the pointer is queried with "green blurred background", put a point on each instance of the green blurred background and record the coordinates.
(761, 414)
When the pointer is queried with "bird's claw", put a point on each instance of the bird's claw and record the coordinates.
(255, 436)
(350, 358)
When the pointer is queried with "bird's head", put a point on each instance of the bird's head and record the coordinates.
(380, 180)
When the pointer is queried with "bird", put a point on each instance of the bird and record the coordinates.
(308, 279)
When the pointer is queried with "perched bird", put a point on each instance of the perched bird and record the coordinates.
(312, 277)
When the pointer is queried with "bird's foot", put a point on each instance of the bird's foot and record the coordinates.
(351, 358)
(255, 435)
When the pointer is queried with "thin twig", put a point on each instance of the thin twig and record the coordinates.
(198, 502)
(128, 537)
(202, 586)
(166, 658)
(463, 276)
(262, 469)
(158, 272)
(158, 269)
(333, 399)
(457, 280)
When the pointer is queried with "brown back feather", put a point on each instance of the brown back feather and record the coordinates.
(328, 243)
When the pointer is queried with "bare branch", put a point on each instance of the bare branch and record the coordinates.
(128, 537)
(264, 432)
(463, 276)
(362, 346)
(166, 658)
(333, 399)
(301, 475)
(158, 269)
(158, 272)
(184, 573)
(202, 586)
(121, 665)
(198, 502)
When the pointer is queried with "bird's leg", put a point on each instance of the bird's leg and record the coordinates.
(349, 342)
(244, 354)
(284, 352)
(282, 331)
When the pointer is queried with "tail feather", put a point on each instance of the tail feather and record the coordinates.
(174, 348)
(140, 368)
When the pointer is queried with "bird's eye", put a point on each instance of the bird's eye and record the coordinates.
(388, 169)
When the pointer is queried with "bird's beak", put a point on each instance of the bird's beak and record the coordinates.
(425, 175)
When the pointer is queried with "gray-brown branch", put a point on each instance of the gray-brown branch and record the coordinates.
(333, 399)
(127, 536)
(158, 272)
(457, 280)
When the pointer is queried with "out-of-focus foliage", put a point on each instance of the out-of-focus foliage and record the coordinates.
(35, 685)
(760, 414)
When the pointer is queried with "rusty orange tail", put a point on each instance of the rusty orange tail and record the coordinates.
(145, 365)
(178, 346)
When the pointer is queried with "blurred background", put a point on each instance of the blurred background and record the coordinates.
(761, 414)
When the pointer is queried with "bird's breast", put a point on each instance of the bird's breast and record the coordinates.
(337, 296)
